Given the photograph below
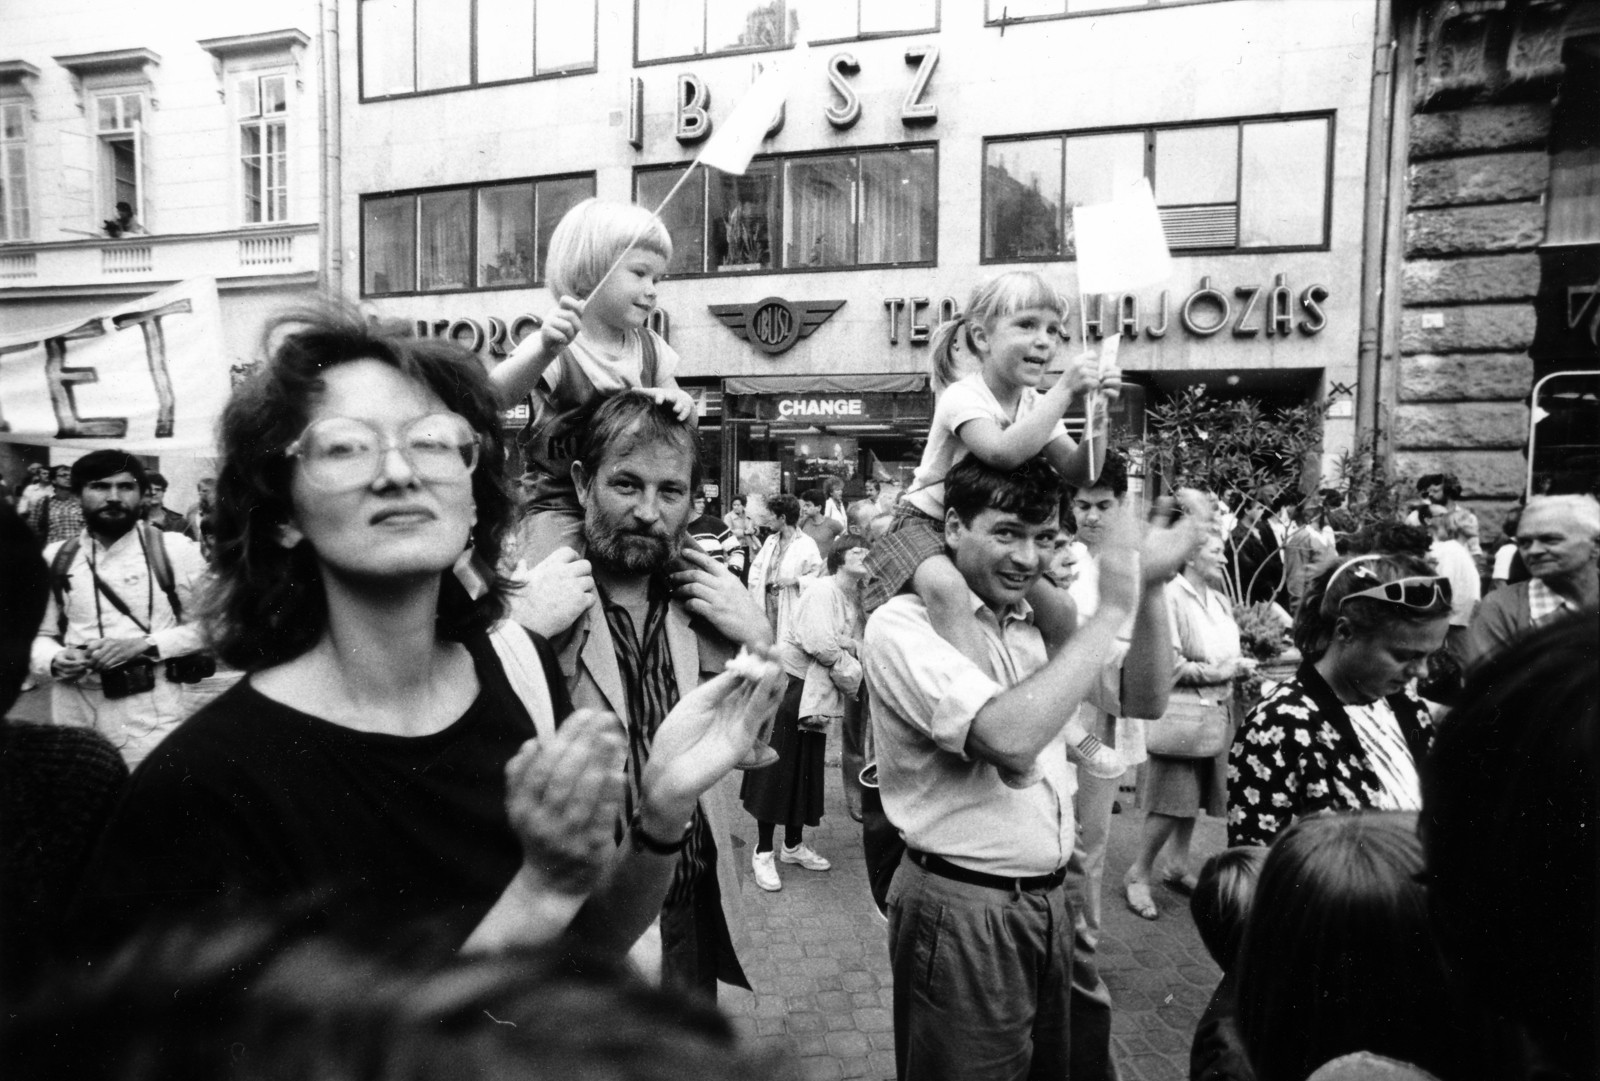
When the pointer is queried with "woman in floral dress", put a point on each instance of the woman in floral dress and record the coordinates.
(1348, 731)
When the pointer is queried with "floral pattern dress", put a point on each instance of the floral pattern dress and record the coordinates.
(1298, 753)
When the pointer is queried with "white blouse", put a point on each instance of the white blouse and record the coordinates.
(1379, 731)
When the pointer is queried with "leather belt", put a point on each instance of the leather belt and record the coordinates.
(937, 865)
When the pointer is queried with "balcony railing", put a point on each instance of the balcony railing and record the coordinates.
(289, 250)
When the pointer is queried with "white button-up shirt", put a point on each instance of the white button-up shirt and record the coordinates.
(124, 568)
(924, 696)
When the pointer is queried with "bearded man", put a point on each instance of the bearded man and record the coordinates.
(665, 616)
(118, 637)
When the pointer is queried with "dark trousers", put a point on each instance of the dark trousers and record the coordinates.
(696, 949)
(982, 980)
(852, 749)
(1091, 998)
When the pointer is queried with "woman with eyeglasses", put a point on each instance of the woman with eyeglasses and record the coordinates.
(397, 757)
(1348, 731)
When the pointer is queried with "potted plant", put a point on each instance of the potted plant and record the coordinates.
(1236, 445)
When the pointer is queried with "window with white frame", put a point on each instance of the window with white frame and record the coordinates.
(262, 104)
(1007, 11)
(15, 206)
(416, 46)
(486, 236)
(841, 20)
(679, 29)
(120, 160)
(868, 207)
(1241, 185)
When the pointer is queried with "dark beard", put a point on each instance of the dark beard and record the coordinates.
(110, 526)
(635, 553)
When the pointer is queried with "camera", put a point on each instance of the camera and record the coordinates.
(191, 668)
(135, 677)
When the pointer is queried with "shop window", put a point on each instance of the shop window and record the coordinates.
(119, 127)
(416, 46)
(263, 106)
(677, 29)
(15, 207)
(491, 236)
(389, 245)
(841, 20)
(869, 208)
(1238, 186)
(1010, 11)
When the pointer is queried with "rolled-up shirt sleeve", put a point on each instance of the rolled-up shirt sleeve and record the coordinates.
(924, 680)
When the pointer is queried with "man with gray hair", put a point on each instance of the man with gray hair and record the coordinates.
(1559, 539)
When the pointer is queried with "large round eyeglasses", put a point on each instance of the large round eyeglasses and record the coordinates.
(339, 454)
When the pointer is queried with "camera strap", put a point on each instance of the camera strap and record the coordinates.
(116, 602)
(156, 559)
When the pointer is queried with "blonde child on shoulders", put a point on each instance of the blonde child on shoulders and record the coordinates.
(1012, 328)
(587, 351)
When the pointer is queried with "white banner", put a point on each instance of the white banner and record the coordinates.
(149, 376)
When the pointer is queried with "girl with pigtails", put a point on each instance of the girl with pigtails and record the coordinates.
(987, 366)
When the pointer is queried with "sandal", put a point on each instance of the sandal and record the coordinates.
(1140, 903)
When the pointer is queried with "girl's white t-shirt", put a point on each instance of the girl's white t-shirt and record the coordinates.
(968, 398)
(611, 372)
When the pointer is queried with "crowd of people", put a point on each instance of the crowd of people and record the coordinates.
(468, 803)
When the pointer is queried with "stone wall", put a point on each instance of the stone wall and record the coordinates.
(1478, 171)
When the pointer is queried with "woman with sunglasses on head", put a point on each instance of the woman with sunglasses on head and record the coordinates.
(1348, 732)
(397, 752)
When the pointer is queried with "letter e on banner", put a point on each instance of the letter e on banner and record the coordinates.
(147, 376)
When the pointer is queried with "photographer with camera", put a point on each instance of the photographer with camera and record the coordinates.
(118, 637)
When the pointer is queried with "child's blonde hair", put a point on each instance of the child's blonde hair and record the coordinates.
(591, 236)
(1013, 291)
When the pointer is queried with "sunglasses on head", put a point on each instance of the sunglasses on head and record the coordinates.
(1422, 592)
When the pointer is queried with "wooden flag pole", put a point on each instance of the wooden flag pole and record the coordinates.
(655, 215)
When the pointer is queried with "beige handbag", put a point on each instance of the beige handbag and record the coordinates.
(1192, 727)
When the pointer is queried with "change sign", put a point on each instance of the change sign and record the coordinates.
(148, 376)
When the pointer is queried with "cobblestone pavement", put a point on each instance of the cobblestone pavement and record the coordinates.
(820, 966)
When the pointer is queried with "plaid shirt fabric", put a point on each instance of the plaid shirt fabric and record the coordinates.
(650, 684)
(58, 518)
(1545, 603)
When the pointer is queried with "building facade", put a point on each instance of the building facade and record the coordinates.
(1490, 369)
(924, 146)
(142, 151)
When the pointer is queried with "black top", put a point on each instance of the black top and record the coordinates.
(252, 800)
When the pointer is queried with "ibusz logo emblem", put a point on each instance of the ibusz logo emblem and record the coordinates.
(773, 325)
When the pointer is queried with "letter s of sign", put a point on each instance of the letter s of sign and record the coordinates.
(155, 351)
(915, 110)
(1311, 299)
(848, 111)
(694, 103)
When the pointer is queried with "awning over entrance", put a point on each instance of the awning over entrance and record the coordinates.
(890, 383)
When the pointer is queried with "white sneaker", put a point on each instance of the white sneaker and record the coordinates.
(1096, 759)
(802, 854)
(766, 873)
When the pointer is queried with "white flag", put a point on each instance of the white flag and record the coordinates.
(1120, 244)
(735, 140)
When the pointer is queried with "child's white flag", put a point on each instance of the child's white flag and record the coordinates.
(1120, 244)
(735, 140)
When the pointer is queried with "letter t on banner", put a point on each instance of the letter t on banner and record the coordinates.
(735, 141)
(1120, 246)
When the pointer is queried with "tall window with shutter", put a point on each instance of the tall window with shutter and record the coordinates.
(263, 106)
(119, 125)
(15, 223)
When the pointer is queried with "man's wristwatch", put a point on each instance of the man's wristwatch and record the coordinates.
(640, 839)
